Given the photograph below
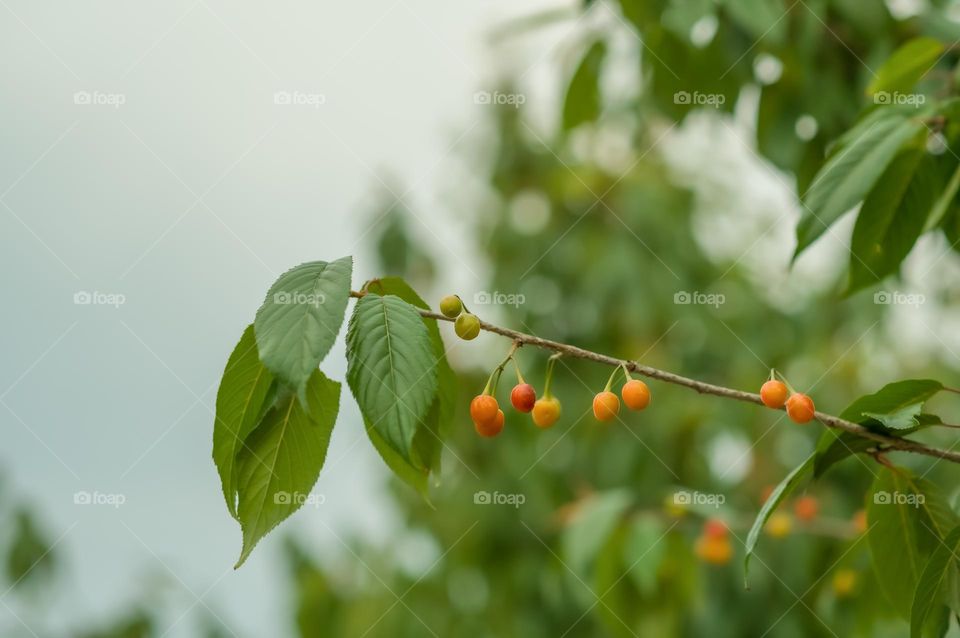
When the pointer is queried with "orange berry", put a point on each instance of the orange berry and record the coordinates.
(483, 409)
(714, 550)
(490, 428)
(806, 508)
(800, 408)
(546, 411)
(715, 528)
(774, 393)
(606, 406)
(635, 394)
(523, 396)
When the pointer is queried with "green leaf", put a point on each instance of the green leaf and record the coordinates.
(281, 459)
(433, 431)
(30, 556)
(934, 583)
(391, 369)
(907, 519)
(904, 68)
(893, 216)
(582, 102)
(644, 551)
(241, 399)
(853, 169)
(895, 406)
(301, 316)
(762, 19)
(593, 524)
(836, 445)
(780, 492)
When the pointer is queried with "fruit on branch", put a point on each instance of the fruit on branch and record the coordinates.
(484, 409)
(806, 508)
(523, 397)
(774, 393)
(606, 406)
(451, 306)
(713, 546)
(800, 408)
(635, 394)
(546, 411)
(491, 428)
(467, 326)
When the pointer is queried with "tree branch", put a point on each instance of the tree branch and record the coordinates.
(829, 420)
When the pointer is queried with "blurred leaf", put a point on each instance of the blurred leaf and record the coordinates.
(935, 581)
(762, 19)
(593, 524)
(281, 460)
(29, 556)
(895, 406)
(907, 519)
(241, 402)
(906, 66)
(850, 174)
(391, 368)
(301, 316)
(780, 492)
(643, 551)
(582, 102)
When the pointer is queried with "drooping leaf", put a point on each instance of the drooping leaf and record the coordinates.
(582, 102)
(644, 551)
(906, 66)
(301, 316)
(281, 459)
(895, 406)
(935, 580)
(433, 431)
(392, 368)
(893, 216)
(907, 518)
(240, 401)
(853, 169)
(780, 492)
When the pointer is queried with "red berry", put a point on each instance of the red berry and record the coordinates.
(806, 508)
(715, 528)
(774, 393)
(523, 396)
(800, 408)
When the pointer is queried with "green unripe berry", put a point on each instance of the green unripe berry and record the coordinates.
(451, 306)
(467, 326)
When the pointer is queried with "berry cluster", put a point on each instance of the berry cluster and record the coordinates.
(776, 394)
(467, 325)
